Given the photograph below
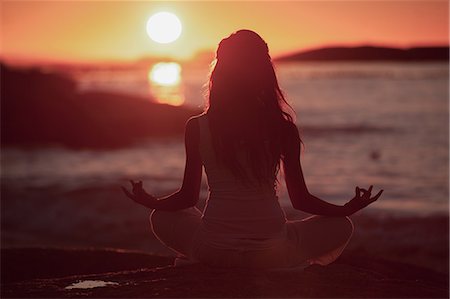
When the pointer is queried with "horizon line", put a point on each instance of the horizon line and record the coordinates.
(124, 61)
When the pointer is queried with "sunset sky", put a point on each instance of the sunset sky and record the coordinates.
(103, 30)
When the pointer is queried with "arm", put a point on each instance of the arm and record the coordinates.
(188, 195)
(298, 192)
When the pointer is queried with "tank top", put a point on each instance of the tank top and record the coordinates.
(235, 210)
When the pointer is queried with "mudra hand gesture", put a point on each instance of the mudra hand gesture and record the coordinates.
(361, 201)
(139, 195)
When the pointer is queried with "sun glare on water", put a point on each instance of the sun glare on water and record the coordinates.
(165, 83)
(166, 73)
(164, 27)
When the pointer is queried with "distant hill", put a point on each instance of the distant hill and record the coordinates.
(369, 53)
(39, 108)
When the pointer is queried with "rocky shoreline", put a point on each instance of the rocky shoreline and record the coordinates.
(141, 275)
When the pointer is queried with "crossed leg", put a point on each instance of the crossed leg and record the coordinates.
(319, 239)
(316, 239)
(176, 229)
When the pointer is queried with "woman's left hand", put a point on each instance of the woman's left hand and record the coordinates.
(361, 201)
(139, 195)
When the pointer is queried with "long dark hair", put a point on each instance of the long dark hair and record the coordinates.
(247, 111)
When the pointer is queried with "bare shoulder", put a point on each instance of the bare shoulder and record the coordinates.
(193, 121)
(192, 126)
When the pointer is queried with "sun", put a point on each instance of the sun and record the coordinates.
(164, 27)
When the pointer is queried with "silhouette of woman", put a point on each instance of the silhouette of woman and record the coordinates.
(241, 140)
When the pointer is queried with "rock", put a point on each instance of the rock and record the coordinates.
(351, 276)
(42, 109)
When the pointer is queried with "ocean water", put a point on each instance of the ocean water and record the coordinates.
(385, 124)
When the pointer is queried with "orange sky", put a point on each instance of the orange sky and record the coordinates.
(101, 30)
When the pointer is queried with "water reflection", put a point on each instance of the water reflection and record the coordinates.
(165, 83)
(89, 284)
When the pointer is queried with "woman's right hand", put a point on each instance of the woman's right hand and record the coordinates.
(361, 201)
(139, 195)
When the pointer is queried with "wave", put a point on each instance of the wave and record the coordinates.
(364, 70)
(376, 75)
(311, 130)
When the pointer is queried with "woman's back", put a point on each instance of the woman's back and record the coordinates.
(237, 208)
(241, 141)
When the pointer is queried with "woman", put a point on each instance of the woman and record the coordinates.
(241, 140)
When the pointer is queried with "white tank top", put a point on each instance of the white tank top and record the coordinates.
(235, 210)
